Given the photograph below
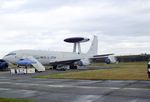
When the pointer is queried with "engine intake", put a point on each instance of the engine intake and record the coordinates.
(83, 62)
(110, 59)
(3, 65)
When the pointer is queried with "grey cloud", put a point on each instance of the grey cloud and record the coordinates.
(115, 22)
(43, 5)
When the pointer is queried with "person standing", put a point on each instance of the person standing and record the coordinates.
(148, 69)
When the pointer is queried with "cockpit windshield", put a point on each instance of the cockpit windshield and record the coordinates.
(11, 54)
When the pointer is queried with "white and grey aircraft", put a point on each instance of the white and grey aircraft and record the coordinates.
(57, 59)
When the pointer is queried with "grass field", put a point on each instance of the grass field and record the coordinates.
(121, 71)
(13, 100)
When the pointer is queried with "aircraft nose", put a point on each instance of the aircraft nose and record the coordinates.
(6, 58)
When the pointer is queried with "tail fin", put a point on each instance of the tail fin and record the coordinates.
(94, 47)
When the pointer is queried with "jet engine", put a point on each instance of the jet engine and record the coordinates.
(3, 65)
(110, 59)
(83, 62)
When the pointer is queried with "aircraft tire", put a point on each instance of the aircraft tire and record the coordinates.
(73, 67)
(55, 67)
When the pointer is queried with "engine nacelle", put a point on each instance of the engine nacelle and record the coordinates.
(83, 62)
(110, 59)
(3, 64)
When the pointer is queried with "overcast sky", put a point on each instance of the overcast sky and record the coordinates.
(122, 26)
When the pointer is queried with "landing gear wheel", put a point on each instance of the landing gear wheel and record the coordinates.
(73, 67)
(55, 66)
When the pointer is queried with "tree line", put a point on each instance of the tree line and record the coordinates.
(129, 58)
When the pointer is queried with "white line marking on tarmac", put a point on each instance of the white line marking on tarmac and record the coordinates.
(87, 98)
(4, 89)
(135, 100)
(5, 82)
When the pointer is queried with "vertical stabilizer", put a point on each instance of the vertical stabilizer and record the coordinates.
(94, 47)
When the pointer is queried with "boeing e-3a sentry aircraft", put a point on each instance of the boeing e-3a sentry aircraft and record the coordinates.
(57, 59)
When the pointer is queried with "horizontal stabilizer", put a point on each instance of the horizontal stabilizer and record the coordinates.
(104, 55)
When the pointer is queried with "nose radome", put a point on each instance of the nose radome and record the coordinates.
(5, 58)
(9, 59)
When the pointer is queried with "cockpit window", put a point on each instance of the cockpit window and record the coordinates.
(11, 54)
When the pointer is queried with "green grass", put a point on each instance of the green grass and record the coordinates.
(13, 100)
(121, 71)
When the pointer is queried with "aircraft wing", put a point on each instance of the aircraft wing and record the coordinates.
(104, 55)
(65, 62)
(109, 58)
